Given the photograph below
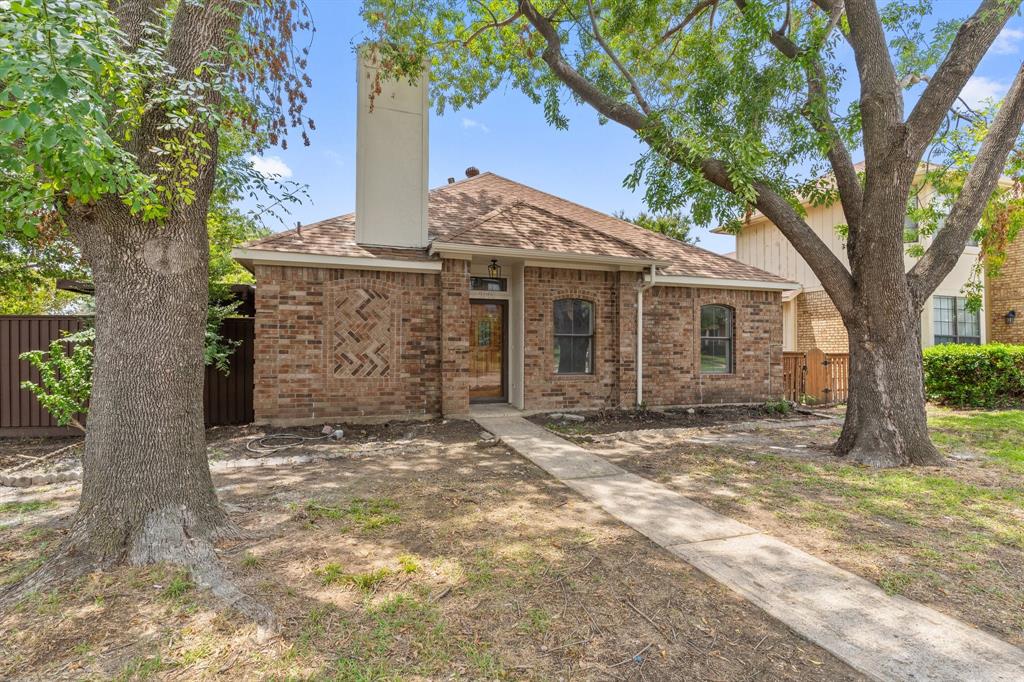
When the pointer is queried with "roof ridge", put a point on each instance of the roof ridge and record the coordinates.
(631, 246)
(493, 213)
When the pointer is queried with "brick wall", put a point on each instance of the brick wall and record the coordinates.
(818, 324)
(543, 388)
(337, 344)
(1005, 293)
(672, 347)
(455, 338)
(345, 343)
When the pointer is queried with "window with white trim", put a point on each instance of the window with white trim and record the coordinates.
(716, 339)
(574, 336)
(953, 322)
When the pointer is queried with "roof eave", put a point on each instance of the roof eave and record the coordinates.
(439, 247)
(252, 257)
(725, 283)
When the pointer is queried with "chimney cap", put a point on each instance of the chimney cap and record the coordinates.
(472, 172)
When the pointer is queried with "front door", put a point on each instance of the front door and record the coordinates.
(487, 341)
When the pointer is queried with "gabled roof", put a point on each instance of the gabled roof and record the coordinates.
(491, 211)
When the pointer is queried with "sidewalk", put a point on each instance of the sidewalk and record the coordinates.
(885, 637)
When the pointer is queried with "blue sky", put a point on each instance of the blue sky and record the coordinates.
(507, 134)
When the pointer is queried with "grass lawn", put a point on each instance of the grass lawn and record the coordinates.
(997, 434)
(447, 560)
(951, 537)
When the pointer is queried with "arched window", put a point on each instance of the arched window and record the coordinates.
(716, 339)
(574, 336)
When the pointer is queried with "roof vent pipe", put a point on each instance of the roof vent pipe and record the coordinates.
(472, 172)
(451, 181)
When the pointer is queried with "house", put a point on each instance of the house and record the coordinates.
(487, 290)
(810, 320)
(1004, 297)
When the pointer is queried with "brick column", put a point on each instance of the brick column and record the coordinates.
(454, 338)
(265, 343)
(626, 314)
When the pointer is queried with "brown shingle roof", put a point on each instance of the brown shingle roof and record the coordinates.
(489, 210)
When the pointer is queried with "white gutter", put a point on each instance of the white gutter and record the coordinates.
(717, 283)
(644, 286)
(313, 260)
(441, 248)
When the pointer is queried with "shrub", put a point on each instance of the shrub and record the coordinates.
(964, 375)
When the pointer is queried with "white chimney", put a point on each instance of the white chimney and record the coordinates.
(391, 157)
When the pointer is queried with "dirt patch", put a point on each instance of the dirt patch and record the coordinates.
(949, 537)
(613, 421)
(458, 559)
(225, 443)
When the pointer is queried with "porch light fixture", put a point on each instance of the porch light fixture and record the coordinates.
(1010, 316)
(494, 270)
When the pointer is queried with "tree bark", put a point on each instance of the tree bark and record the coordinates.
(886, 424)
(145, 471)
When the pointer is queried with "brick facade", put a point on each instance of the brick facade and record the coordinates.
(614, 339)
(345, 344)
(336, 344)
(1005, 293)
(455, 337)
(818, 324)
(672, 373)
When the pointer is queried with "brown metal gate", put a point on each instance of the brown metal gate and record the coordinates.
(227, 399)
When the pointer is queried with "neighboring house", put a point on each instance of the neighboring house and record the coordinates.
(810, 320)
(486, 290)
(1004, 297)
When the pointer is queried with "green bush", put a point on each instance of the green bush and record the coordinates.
(964, 375)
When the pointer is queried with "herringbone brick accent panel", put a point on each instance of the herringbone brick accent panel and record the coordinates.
(363, 334)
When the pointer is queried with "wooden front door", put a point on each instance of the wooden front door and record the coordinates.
(487, 341)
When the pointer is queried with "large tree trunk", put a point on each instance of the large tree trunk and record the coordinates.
(145, 472)
(886, 424)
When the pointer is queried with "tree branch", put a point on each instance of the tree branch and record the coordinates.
(881, 101)
(967, 210)
(829, 269)
(971, 43)
(633, 85)
(494, 24)
(847, 182)
(690, 16)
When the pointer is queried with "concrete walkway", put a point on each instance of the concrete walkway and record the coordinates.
(885, 637)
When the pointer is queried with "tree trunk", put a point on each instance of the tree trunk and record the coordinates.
(886, 424)
(145, 472)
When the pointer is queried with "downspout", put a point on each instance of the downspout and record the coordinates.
(644, 286)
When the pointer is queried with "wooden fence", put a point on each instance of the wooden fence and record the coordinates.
(816, 377)
(227, 399)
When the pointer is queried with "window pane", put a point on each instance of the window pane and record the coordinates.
(714, 356)
(563, 354)
(944, 326)
(968, 323)
(563, 316)
(582, 322)
(715, 321)
(581, 360)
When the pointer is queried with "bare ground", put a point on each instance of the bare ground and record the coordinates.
(450, 560)
(613, 421)
(949, 537)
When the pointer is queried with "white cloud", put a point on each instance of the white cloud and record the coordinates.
(468, 123)
(270, 166)
(1008, 41)
(980, 88)
(334, 157)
